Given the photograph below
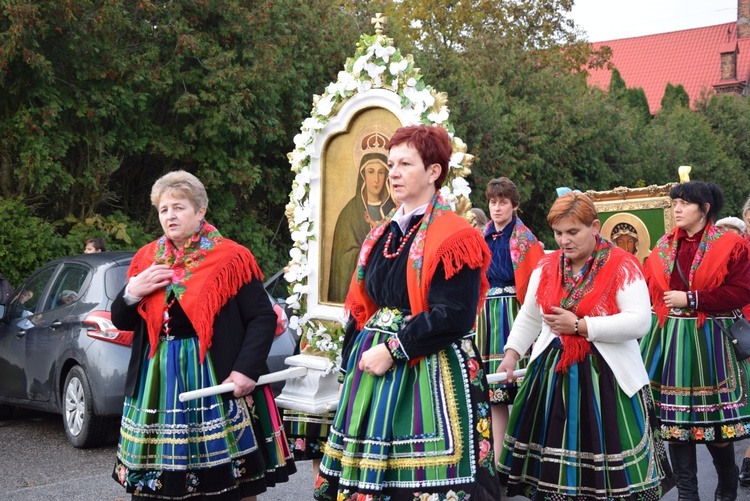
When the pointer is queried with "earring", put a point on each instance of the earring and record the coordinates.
(703, 218)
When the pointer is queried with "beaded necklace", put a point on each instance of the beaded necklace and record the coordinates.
(402, 242)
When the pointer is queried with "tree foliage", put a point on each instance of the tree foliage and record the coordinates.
(98, 99)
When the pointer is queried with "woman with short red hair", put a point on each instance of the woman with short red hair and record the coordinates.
(414, 421)
(583, 424)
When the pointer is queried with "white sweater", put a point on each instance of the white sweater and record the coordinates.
(615, 336)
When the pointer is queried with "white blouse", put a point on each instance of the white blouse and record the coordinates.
(615, 336)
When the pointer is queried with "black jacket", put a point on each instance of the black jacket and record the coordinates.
(243, 334)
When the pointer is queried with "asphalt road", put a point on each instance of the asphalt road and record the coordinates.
(37, 463)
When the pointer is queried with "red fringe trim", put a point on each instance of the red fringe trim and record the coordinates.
(463, 248)
(235, 266)
(224, 283)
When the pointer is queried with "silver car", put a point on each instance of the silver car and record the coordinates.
(60, 352)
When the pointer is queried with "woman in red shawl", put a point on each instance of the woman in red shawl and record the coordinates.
(582, 426)
(201, 317)
(699, 386)
(414, 421)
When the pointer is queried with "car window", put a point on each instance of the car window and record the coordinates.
(26, 300)
(68, 284)
(114, 281)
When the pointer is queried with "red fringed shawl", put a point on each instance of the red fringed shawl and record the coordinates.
(214, 276)
(616, 269)
(444, 237)
(709, 269)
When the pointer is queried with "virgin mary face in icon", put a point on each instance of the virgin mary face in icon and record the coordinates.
(376, 176)
(375, 191)
(371, 203)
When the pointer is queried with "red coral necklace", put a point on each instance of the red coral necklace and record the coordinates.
(402, 242)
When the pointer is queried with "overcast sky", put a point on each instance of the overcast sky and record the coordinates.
(613, 19)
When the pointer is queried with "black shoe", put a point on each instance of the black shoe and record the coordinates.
(745, 472)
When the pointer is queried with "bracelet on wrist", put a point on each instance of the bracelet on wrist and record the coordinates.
(692, 304)
(575, 326)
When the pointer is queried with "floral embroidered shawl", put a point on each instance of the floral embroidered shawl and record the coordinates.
(709, 268)
(442, 237)
(525, 253)
(207, 272)
(595, 295)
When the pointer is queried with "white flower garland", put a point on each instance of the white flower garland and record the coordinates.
(377, 64)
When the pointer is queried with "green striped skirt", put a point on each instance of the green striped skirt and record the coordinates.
(214, 446)
(578, 436)
(422, 429)
(493, 326)
(307, 433)
(700, 388)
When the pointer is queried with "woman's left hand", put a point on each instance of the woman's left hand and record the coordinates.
(675, 299)
(243, 385)
(376, 361)
(561, 321)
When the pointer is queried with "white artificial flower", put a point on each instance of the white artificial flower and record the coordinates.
(299, 192)
(303, 176)
(449, 197)
(439, 117)
(399, 67)
(364, 86)
(456, 160)
(461, 187)
(411, 116)
(293, 273)
(296, 158)
(294, 322)
(374, 70)
(293, 301)
(414, 96)
(302, 232)
(302, 139)
(383, 53)
(412, 82)
(296, 254)
(312, 123)
(301, 213)
(325, 105)
(347, 80)
(427, 98)
(360, 63)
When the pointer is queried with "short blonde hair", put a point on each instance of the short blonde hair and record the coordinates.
(182, 184)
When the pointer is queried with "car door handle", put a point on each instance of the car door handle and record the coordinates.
(56, 324)
(20, 334)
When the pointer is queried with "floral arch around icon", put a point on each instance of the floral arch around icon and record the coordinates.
(378, 86)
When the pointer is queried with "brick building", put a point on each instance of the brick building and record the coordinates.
(710, 59)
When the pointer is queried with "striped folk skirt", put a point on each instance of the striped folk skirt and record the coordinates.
(307, 433)
(700, 388)
(421, 431)
(213, 446)
(578, 436)
(493, 327)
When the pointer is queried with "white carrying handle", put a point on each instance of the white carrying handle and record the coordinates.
(499, 377)
(273, 377)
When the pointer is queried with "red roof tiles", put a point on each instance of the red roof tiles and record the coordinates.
(688, 57)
